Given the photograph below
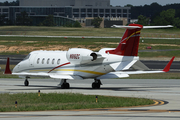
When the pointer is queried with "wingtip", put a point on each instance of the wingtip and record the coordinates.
(167, 68)
(7, 70)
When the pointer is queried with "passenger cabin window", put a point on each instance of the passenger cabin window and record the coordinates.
(53, 61)
(58, 61)
(38, 60)
(48, 61)
(43, 60)
(27, 57)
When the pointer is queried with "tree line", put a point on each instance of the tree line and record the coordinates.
(166, 17)
(156, 14)
(152, 10)
(153, 14)
(13, 3)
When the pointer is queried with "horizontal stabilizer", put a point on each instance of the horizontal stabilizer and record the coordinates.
(147, 27)
(126, 27)
(144, 27)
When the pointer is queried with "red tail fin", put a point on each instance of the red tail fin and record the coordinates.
(7, 70)
(129, 43)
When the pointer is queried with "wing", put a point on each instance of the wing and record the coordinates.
(127, 73)
(123, 65)
(51, 75)
(140, 66)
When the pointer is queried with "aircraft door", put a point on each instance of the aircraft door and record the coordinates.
(32, 59)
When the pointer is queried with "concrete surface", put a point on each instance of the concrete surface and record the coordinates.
(164, 90)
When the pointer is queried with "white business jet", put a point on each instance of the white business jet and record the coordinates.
(81, 64)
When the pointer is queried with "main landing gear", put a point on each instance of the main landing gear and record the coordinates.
(26, 82)
(64, 84)
(97, 84)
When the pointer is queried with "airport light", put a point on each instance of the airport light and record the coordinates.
(96, 98)
(15, 104)
(39, 93)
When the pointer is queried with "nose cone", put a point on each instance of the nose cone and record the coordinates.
(16, 69)
(21, 67)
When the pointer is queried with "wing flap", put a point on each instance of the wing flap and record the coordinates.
(113, 75)
(32, 74)
(61, 76)
(54, 76)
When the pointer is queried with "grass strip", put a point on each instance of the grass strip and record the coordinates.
(64, 101)
(63, 31)
(169, 75)
(24, 45)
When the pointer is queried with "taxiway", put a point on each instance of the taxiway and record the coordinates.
(167, 92)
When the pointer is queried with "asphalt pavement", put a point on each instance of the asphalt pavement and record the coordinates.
(166, 93)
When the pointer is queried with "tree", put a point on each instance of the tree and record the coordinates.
(49, 21)
(13, 3)
(177, 22)
(77, 24)
(2, 19)
(128, 5)
(167, 17)
(143, 20)
(96, 22)
(23, 19)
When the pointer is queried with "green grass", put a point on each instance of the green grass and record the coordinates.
(160, 54)
(64, 101)
(58, 31)
(90, 43)
(63, 31)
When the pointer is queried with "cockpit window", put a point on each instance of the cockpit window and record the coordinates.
(27, 57)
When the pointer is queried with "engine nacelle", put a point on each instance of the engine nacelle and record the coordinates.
(80, 55)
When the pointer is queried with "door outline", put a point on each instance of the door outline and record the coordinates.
(32, 59)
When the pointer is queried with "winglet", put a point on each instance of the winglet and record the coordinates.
(167, 68)
(7, 70)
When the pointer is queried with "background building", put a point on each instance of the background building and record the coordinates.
(69, 10)
(95, 3)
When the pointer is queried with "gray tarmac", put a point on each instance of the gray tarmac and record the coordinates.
(166, 92)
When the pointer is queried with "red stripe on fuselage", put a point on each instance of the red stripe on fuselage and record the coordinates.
(59, 66)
